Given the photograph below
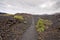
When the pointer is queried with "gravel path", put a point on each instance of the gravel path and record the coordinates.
(30, 33)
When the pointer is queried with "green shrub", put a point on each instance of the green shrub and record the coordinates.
(20, 18)
(8, 14)
(41, 24)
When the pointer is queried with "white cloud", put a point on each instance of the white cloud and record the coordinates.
(28, 6)
(47, 5)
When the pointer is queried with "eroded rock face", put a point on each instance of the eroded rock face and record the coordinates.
(10, 28)
(6, 23)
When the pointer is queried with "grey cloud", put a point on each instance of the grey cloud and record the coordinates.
(31, 6)
(57, 5)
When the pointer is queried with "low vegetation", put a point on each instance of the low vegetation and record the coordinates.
(41, 24)
(8, 14)
(19, 18)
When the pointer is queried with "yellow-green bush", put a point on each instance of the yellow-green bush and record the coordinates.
(8, 14)
(19, 17)
(41, 24)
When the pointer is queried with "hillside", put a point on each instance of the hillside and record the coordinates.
(23, 26)
(51, 32)
(12, 28)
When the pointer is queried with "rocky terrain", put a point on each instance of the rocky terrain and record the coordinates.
(53, 31)
(22, 26)
(11, 28)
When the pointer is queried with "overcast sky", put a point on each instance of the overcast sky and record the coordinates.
(30, 6)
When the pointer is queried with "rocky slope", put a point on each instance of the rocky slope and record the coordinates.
(11, 28)
(53, 31)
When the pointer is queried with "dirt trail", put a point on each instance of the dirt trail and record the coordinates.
(30, 33)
